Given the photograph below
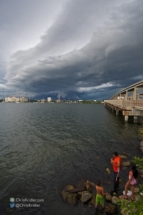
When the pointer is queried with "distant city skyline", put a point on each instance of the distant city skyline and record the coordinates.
(78, 49)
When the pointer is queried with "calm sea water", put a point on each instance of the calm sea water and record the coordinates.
(44, 147)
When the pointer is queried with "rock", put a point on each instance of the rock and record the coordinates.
(110, 209)
(79, 193)
(127, 163)
(70, 198)
(121, 197)
(140, 171)
(88, 186)
(120, 180)
(136, 189)
(69, 187)
(137, 198)
(125, 212)
(114, 193)
(115, 200)
(86, 196)
(141, 193)
(108, 171)
(123, 156)
(108, 197)
(64, 195)
(92, 200)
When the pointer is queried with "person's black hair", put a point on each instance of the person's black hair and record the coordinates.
(115, 153)
(98, 183)
(134, 170)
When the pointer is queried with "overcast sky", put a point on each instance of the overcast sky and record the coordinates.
(80, 49)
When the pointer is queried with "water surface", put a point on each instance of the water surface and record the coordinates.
(44, 147)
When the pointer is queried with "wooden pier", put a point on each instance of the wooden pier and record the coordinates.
(128, 102)
(127, 108)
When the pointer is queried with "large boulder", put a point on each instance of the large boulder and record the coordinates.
(88, 186)
(65, 192)
(108, 197)
(72, 198)
(86, 196)
(69, 197)
(115, 200)
(92, 200)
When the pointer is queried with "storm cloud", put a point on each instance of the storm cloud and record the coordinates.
(88, 49)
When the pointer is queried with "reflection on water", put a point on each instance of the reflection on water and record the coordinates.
(47, 146)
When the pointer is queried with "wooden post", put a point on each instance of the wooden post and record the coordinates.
(117, 112)
(135, 119)
(126, 118)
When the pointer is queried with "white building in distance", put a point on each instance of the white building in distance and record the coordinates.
(43, 100)
(15, 99)
(49, 99)
(23, 99)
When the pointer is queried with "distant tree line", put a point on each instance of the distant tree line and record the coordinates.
(90, 102)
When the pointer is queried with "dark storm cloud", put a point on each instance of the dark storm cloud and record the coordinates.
(66, 62)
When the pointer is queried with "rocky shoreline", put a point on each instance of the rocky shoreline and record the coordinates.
(82, 193)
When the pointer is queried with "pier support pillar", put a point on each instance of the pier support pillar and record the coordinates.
(140, 119)
(135, 119)
(134, 93)
(126, 95)
(117, 112)
(126, 118)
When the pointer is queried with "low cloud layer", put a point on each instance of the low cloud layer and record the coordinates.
(91, 50)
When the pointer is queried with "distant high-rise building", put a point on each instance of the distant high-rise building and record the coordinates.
(49, 99)
(58, 98)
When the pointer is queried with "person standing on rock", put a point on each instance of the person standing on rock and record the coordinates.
(133, 175)
(100, 195)
(116, 164)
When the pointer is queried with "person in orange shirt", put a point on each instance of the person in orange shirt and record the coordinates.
(116, 164)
